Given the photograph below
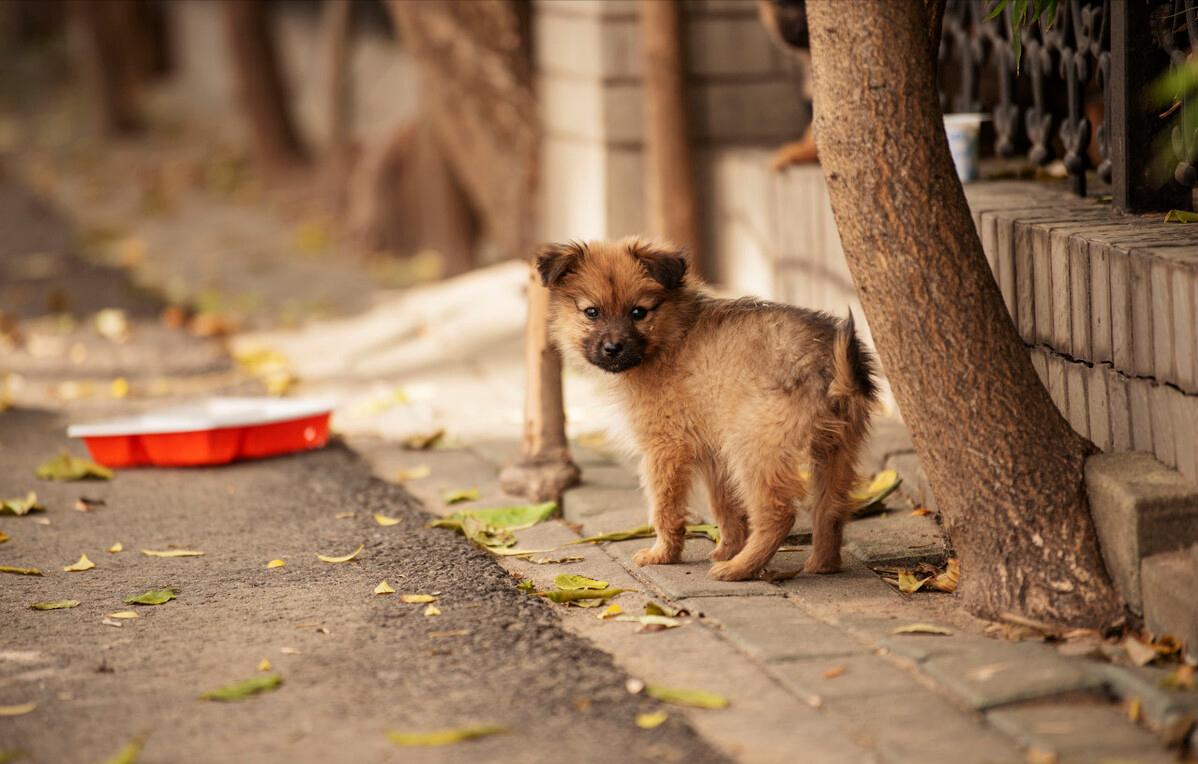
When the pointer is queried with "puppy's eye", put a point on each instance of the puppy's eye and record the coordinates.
(638, 313)
(591, 312)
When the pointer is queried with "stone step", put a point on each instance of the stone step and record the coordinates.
(1169, 584)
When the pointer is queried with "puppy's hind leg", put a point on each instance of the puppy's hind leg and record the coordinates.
(771, 516)
(727, 509)
(667, 473)
(834, 457)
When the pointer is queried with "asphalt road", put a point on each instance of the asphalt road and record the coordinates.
(355, 665)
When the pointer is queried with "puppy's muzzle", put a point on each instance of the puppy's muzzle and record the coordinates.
(615, 353)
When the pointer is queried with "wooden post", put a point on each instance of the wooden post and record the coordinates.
(669, 179)
(545, 469)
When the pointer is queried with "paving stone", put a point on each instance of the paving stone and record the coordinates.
(1010, 673)
(688, 578)
(922, 727)
(1140, 508)
(773, 629)
(1169, 581)
(920, 647)
(854, 589)
(863, 675)
(887, 437)
(895, 538)
(1080, 733)
(1158, 704)
(915, 482)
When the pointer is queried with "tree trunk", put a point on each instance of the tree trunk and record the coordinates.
(1005, 467)
(545, 469)
(260, 87)
(335, 30)
(669, 173)
(105, 65)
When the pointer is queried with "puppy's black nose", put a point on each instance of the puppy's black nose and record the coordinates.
(612, 349)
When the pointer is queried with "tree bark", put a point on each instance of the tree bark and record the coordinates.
(105, 65)
(335, 30)
(261, 89)
(1003, 464)
(545, 469)
(669, 172)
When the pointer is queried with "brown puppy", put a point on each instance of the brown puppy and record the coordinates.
(738, 392)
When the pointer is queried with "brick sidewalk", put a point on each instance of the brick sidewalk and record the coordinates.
(962, 697)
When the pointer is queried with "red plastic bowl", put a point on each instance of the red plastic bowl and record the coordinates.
(215, 431)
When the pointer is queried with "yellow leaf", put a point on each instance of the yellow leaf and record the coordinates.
(417, 599)
(922, 628)
(17, 710)
(385, 521)
(460, 495)
(432, 610)
(172, 553)
(117, 547)
(352, 555)
(67, 467)
(908, 583)
(611, 611)
(55, 605)
(275, 564)
(119, 387)
(344, 515)
(3, 537)
(948, 580)
(443, 737)
(834, 672)
(423, 441)
(384, 588)
(1182, 678)
(82, 565)
(20, 571)
(683, 697)
(415, 473)
(264, 665)
(19, 506)
(651, 721)
(123, 614)
(1134, 710)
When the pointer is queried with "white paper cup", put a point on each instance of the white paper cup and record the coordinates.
(962, 130)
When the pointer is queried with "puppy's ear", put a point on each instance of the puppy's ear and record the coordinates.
(556, 261)
(666, 265)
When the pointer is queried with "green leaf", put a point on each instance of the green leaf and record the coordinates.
(997, 9)
(481, 533)
(129, 753)
(67, 467)
(55, 605)
(692, 698)
(1181, 216)
(153, 597)
(639, 532)
(525, 585)
(705, 529)
(20, 506)
(651, 720)
(460, 495)
(20, 571)
(513, 518)
(653, 608)
(244, 689)
(573, 582)
(566, 597)
(444, 737)
(1174, 83)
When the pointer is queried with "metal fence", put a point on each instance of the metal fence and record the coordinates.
(1081, 91)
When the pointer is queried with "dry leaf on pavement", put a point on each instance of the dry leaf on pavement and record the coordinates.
(1139, 653)
(385, 521)
(443, 737)
(129, 753)
(172, 553)
(87, 504)
(1182, 678)
(67, 467)
(17, 710)
(244, 689)
(264, 665)
(153, 597)
(459, 495)
(21, 506)
(80, 566)
(276, 563)
(423, 441)
(346, 558)
(123, 614)
(683, 697)
(414, 473)
(611, 611)
(572, 582)
(20, 571)
(384, 588)
(923, 628)
(115, 548)
(432, 610)
(834, 672)
(55, 605)
(3, 537)
(417, 599)
(651, 720)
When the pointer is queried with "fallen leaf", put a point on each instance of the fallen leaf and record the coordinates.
(384, 588)
(423, 441)
(414, 473)
(513, 518)
(123, 614)
(1139, 653)
(691, 698)
(651, 623)
(651, 720)
(275, 564)
(908, 583)
(525, 585)
(55, 605)
(20, 571)
(948, 580)
(1182, 678)
(87, 504)
(153, 597)
(417, 599)
(921, 512)
(1181, 216)
(432, 610)
(459, 495)
(385, 521)
(1135, 710)
(775, 576)
(640, 532)
(443, 737)
(502, 552)
(119, 387)
(834, 672)
(633, 685)
(112, 324)
(3, 537)
(351, 556)
(987, 672)
(879, 487)
(289, 651)
(172, 553)
(922, 628)
(111, 622)
(571, 582)
(654, 608)
(704, 529)
(344, 515)
(67, 467)
(575, 596)
(18, 710)
(244, 689)
(481, 533)
(129, 753)
(556, 560)
(80, 566)
(264, 665)
(21, 506)
(115, 548)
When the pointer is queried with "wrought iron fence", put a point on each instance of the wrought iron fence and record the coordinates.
(1080, 91)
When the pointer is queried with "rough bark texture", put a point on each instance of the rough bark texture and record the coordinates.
(260, 87)
(476, 65)
(669, 172)
(545, 469)
(1004, 465)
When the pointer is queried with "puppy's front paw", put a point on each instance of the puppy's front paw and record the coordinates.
(654, 555)
(730, 571)
(822, 564)
(722, 552)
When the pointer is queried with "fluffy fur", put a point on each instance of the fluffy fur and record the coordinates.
(739, 393)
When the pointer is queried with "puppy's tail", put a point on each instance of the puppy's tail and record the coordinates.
(853, 368)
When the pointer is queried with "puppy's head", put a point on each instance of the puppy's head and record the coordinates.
(615, 303)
